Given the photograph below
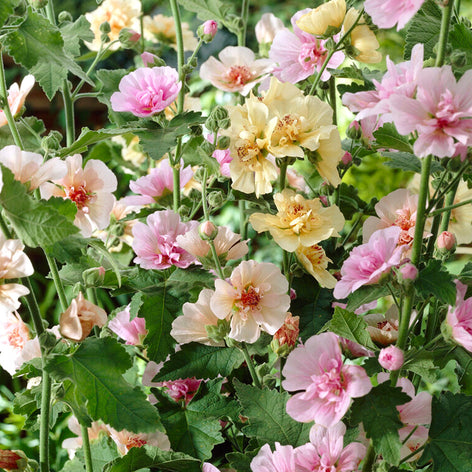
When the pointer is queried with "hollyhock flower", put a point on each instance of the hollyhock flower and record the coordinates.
(325, 385)
(13, 461)
(238, 70)
(208, 30)
(256, 296)
(94, 432)
(363, 40)
(118, 14)
(440, 113)
(228, 245)
(28, 167)
(460, 223)
(328, 155)
(459, 318)
(408, 272)
(286, 337)
(300, 55)
(325, 451)
(391, 358)
(367, 263)
(281, 460)
(388, 13)
(398, 208)
(298, 221)
(147, 91)
(446, 240)
(158, 183)
(81, 316)
(267, 27)
(131, 150)
(132, 331)
(16, 97)
(314, 260)
(89, 188)
(192, 325)
(223, 156)
(182, 389)
(326, 17)
(400, 79)
(353, 349)
(383, 329)
(155, 242)
(126, 440)
(207, 467)
(161, 29)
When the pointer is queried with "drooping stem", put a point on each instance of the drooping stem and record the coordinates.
(86, 448)
(250, 365)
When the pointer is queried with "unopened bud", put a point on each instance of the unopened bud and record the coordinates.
(38, 3)
(128, 37)
(216, 199)
(391, 358)
(13, 460)
(208, 30)
(446, 240)
(408, 272)
(151, 60)
(207, 231)
(347, 158)
(223, 142)
(354, 131)
(64, 16)
(267, 27)
(51, 142)
(105, 27)
(94, 277)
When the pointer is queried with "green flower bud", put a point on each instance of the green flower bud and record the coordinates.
(94, 277)
(64, 16)
(223, 142)
(38, 3)
(219, 332)
(51, 142)
(105, 27)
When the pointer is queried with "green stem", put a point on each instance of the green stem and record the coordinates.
(68, 113)
(86, 448)
(283, 173)
(216, 260)
(444, 33)
(244, 17)
(414, 453)
(333, 98)
(176, 180)
(250, 366)
(44, 421)
(451, 207)
(448, 207)
(57, 281)
(243, 222)
(354, 227)
(369, 458)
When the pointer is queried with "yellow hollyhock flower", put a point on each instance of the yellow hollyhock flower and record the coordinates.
(315, 261)
(318, 20)
(329, 154)
(298, 221)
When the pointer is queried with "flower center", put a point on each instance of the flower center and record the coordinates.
(80, 196)
(250, 297)
(446, 115)
(287, 130)
(135, 441)
(15, 339)
(239, 75)
(404, 221)
(311, 55)
(149, 99)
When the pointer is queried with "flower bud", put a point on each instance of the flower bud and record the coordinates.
(286, 337)
(408, 272)
(94, 276)
(219, 332)
(64, 16)
(105, 27)
(13, 460)
(267, 27)
(216, 199)
(446, 240)
(207, 231)
(347, 158)
(128, 37)
(38, 3)
(223, 142)
(208, 30)
(391, 358)
(151, 60)
(354, 131)
(51, 142)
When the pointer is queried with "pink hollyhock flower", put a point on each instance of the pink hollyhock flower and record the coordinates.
(408, 272)
(94, 432)
(367, 263)
(325, 451)
(155, 242)
(16, 345)
(210, 28)
(182, 389)
(28, 167)
(236, 71)
(267, 27)
(354, 349)
(207, 467)
(255, 296)
(89, 188)
(388, 13)
(16, 97)
(459, 318)
(147, 91)
(325, 385)
(281, 460)
(391, 358)
(440, 112)
(126, 440)
(301, 54)
(223, 156)
(133, 332)
(446, 240)
(399, 79)
(158, 183)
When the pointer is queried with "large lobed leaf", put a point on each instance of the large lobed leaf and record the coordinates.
(435, 280)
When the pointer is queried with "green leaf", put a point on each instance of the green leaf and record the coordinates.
(6, 9)
(110, 80)
(207, 9)
(241, 462)
(36, 223)
(139, 458)
(450, 436)
(424, 28)
(377, 411)
(466, 274)
(137, 279)
(460, 38)
(74, 32)
(38, 46)
(351, 326)
(103, 451)
(435, 280)
(268, 419)
(198, 360)
(388, 137)
(365, 295)
(96, 370)
(159, 312)
(30, 142)
(408, 162)
(201, 158)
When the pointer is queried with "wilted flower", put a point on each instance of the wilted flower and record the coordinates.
(326, 17)
(388, 13)
(132, 331)
(13, 461)
(77, 321)
(17, 96)
(147, 91)
(286, 337)
(325, 385)
(255, 296)
(89, 188)
(383, 329)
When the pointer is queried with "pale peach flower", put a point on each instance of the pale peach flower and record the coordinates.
(28, 167)
(94, 432)
(131, 150)
(299, 221)
(191, 326)
(267, 27)
(288, 333)
(314, 260)
(383, 329)
(161, 29)
(362, 39)
(17, 96)
(89, 188)
(238, 70)
(327, 15)
(77, 321)
(228, 245)
(119, 14)
(125, 440)
(255, 296)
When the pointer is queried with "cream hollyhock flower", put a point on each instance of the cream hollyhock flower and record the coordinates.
(299, 221)
(362, 39)
(17, 96)
(119, 14)
(329, 155)
(255, 296)
(318, 20)
(131, 150)
(315, 261)
(461, 217)
(126, 440)
(250, 169)
(161, 29)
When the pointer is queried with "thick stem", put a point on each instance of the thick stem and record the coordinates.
(244, 17)
(283, 173)
(369, 458)
(444, 33)
(243, 222)
(57, 281)
(448, 207)
(44, 423)
(250, 366)
(68, 113)
(86, 448)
